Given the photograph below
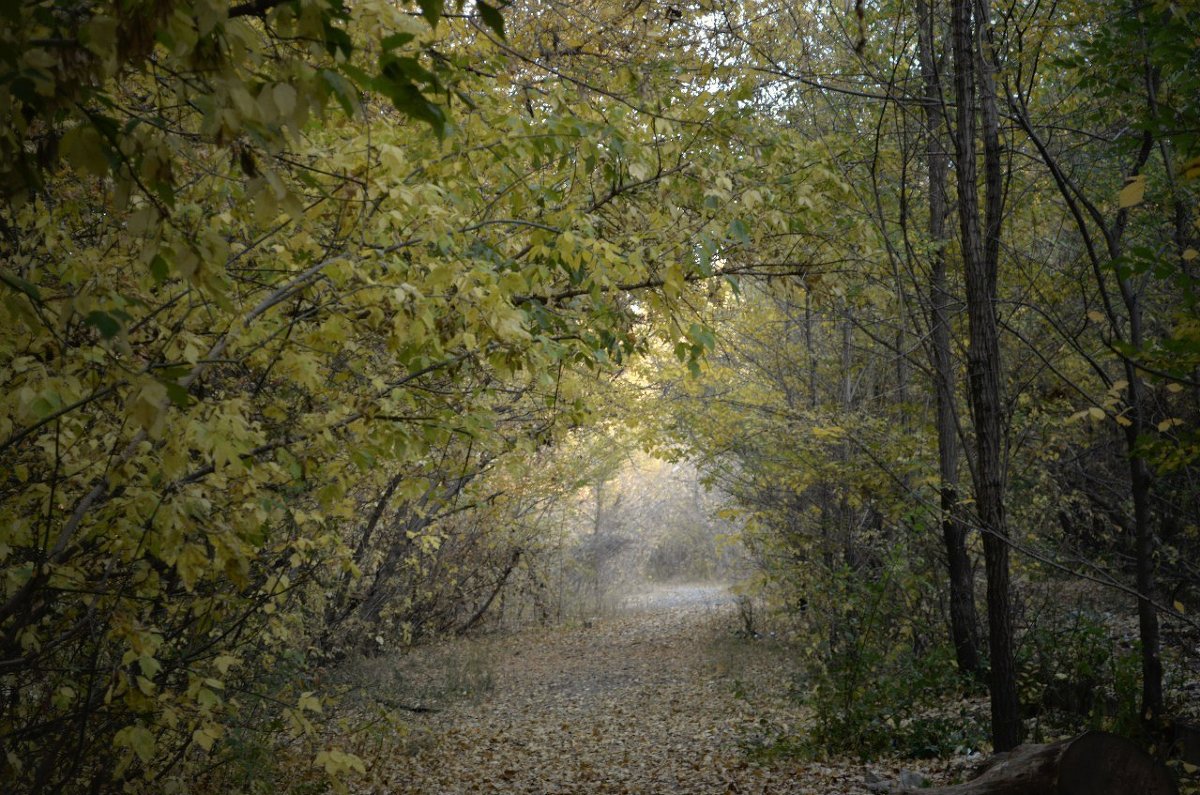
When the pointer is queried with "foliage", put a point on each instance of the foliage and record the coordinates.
(307, 308)
(877, 690)
(271, 372)
(242, 76)
(1077, 673)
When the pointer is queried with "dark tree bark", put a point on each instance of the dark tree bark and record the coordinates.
(964, 621)
(1140, 479)
(1140, 482)
(980, 248)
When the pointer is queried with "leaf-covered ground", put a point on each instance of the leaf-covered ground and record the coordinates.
(660, 698)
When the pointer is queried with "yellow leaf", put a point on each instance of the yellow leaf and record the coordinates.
(83, 148)
(1191, 169)
(1133, 192)
(224, 661)
(148, 406)
(1167, 424)
(338, 762)
(191, 562)
(285, 99)
(309, 702)
(1095, 317)
(138, 739)
(206, 735)
(1179, 607)
(202, 739)
(1096, 413)
(1190, 254)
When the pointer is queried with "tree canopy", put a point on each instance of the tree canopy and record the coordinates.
(312, 312)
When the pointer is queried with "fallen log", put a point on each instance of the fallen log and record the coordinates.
(1094, 763)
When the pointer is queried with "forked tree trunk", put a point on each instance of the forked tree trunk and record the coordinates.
(980, 242)
(1094, 763)
(963, 619)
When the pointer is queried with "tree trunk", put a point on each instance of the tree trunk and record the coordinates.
(501, 581)
(1094, 763)
(963, 619)
(980, 257)
(1140, 478)
(845, 512)
(1140, 481)
(808, 349)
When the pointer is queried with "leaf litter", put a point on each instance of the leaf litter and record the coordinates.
(662, 697)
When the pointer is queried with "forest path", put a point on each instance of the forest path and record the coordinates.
(661, 698)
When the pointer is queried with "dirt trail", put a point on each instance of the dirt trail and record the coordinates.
(662, 698)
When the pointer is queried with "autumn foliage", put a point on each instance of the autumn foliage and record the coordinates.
(307, 309)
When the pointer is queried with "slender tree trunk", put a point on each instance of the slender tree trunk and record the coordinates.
(980, 249)
(845, 512)
(1140, 478)
(847, 360)
(337, 608)
(501, 581)
(1148, 632)
(826, 497)
(1140, 481)
(964, 621)
(808, 349)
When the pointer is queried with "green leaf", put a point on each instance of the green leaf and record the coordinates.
(159, 268)
(409, 100)
(702, 336)
(431, 10)
(491, 17)
(106, 324)
(739, 232)
(285, 98)
(343, 90)
(84, 148)
(337, 40)
(399, 39)
(177, 394)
